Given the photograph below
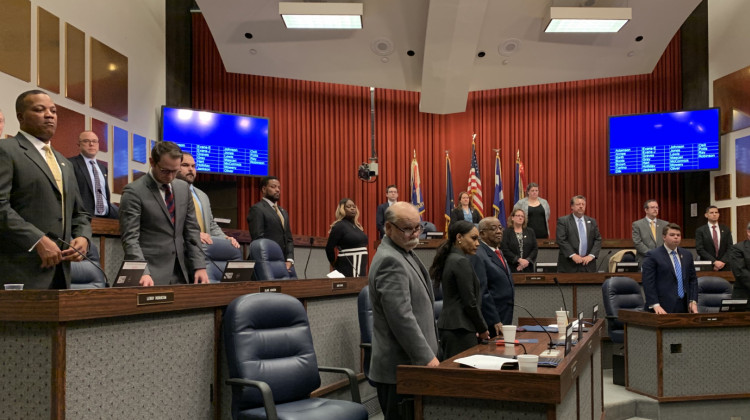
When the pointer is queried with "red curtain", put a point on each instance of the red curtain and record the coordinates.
(320, 134)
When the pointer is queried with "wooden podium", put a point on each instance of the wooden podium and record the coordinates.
(572, 390)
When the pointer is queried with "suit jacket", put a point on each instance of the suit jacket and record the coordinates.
(85, 186)
(644, 240)
(568, 241)
(462, 295)
(208, 216)
(458, 214)
(704, 245)
(740, 257)
(263, 222)
(660, 282)
(404, 331)
(31, 206)
(496, 282)
(512, 252)
(148, 233)
(380, 219)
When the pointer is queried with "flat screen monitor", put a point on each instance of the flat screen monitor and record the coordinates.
(221, 143)
(681, 141)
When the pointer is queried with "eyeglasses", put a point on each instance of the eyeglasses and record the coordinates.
(494, 228)
(409, 231)
(167, 171)
(89, 141)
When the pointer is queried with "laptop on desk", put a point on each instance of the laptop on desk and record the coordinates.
(238, 271)
(733, 305)
(130, 274)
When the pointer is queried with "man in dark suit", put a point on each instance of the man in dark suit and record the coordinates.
(92, 178)
(668, 275)
(404, 331)
(266, 219)
(158, 224)
(577, 255)
(391, 194)
(38, 195)
(741, 268)
(713, 241)
(494, 276)
(647, 231)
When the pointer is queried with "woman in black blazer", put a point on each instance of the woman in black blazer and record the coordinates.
(461, 320)
(519, 244)
(464, 208)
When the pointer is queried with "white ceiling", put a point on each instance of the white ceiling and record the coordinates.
(446, 38)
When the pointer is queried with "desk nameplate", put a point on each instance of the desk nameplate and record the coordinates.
(338, 285)
(270, 289)
(155, 298)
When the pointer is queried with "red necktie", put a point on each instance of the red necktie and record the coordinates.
(169, 200)
(500, 255)
(716, 240)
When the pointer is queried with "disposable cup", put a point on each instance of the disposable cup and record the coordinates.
(527, 362)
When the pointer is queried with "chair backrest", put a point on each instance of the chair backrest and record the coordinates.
(427, 227)
(623, 255)
(364, 311)
(269, 260)
(267, 338)
(711, 291)
(220, 251)
(83, 274)
(620, 293)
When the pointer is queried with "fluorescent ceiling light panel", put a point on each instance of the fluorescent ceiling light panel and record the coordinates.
(588, 19)
(321, 15)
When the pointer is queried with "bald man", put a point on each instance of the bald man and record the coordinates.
(92, 178)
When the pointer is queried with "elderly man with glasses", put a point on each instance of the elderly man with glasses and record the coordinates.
(92, 177)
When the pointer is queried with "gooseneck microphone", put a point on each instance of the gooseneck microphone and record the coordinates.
(599, 266)
(54, 237)
(557, 283)
(211, 260)
(307, 263)
(516, 344)
(551, 347)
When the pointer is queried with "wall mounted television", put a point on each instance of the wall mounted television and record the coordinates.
(681, 141)
(221, 143)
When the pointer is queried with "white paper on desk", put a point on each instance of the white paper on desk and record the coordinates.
(483, 361)
(335, 274)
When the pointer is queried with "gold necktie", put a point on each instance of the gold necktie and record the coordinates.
(199, 215)
(278, 212)
(653, 229)
(57, 174)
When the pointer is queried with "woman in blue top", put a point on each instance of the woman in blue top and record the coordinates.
(464, 210)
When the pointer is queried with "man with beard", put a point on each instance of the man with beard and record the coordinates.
(267, 219)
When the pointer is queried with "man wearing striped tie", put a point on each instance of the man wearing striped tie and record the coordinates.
(209, 228)
(669, 279)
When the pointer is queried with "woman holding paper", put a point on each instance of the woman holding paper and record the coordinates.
(461, 321)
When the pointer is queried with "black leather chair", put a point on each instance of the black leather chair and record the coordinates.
(220, 251)
(711, 291)
(620, 293)
(272, 363)
(364, 312)
(83, 274)
(269, 261)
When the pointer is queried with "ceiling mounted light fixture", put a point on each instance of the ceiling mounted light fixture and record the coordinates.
(587, 19)
(321, 15)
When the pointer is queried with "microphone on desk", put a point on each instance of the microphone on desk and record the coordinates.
(551, 347)
(557, 283)
(54, 237)
(211, 260)
(510, 342)
(599, 266)
(307, 264)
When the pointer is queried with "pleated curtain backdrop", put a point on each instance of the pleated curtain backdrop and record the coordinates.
(320, 134)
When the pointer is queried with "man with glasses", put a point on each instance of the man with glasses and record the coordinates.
(158, 223)
(391, 195)
(494, 276)
(92, 178)
(647, 231)
(404, 331)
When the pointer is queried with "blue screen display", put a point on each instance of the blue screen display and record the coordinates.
(220, 143)
(664, 142)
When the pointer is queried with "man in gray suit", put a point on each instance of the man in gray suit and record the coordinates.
(647, 231)
(158, 224)
(578, 239)
(39, 201)
(404, 331)
(204, 215)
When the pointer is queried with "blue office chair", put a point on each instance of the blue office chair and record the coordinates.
(272, 363)
(220, 251)
(269, 261)
(364, 311)
(84, 275)
(620, 293)
(711, 291)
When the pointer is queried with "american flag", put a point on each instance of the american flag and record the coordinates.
(475, 182)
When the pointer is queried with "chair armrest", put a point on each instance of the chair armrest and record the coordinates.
(265, 392)
(353, 385)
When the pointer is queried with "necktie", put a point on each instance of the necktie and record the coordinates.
(97, 190)
(716, 240)
(500, 255)
(278, 212)
(653, 229)
(678, 273)
(582, 241)
(199, 214)
(169, 201)
(57, 175)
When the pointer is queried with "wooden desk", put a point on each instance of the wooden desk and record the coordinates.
(571, 390)
(688, 357)
(93, 354)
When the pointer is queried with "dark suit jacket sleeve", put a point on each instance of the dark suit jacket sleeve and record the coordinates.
(648, 278)
(701, 246)
(256, 222)
(289, 238)
(464, 275)
(740, 267)
(475, 216)
(380, 219)
(456, 214)
(562, 237)
(531, 247)
(130, 225)
(333, 240)
(509, 246)
(726, 245)
(13, 227)
(489, 311)
(691, 275)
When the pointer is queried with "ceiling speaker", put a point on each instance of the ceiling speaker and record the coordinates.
(382, 46)
(509, 47)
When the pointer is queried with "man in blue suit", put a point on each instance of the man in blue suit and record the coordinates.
(494, 276)
(669, 279)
